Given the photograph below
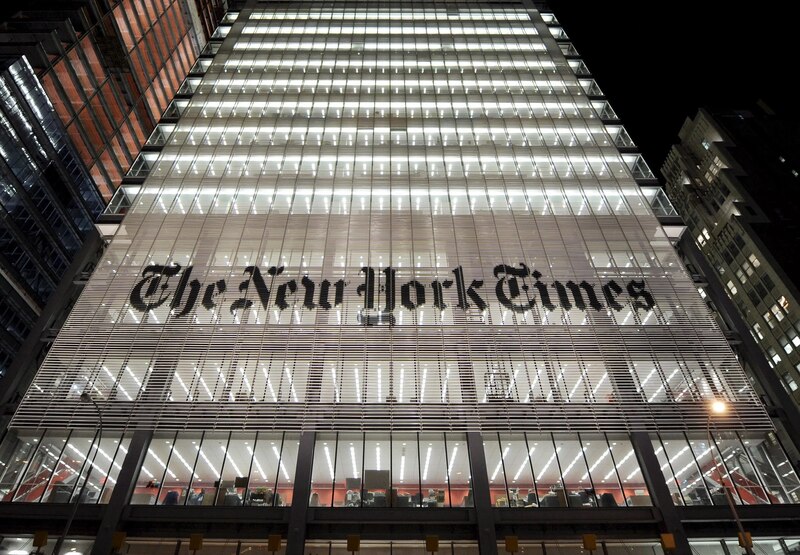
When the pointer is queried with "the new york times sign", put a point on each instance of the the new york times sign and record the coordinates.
(517, 288)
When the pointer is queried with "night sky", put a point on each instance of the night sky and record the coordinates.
(657, 62)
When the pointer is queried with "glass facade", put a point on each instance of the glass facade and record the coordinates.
(218, 468)
(110, 91)
(47, 204)
(391, 261)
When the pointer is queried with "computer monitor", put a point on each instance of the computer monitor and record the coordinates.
(377, 479)
(353, 484)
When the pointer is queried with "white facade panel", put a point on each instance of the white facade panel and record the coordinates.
(428, 229)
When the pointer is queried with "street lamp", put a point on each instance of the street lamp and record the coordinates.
(85, 398)
(719, 407)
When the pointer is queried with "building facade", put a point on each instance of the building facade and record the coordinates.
(734, 178)
(392, 271)
(84, 85)
(48, 205)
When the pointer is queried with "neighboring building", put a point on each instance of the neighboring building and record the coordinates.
(395, 271)
(84, 84)
(734, 178)
(110, 68)
(48, 205)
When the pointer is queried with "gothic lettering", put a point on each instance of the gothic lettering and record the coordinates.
(152, 278)
(513, 290)
(637, 291)
(513, 286)
(419, 295)
(611, 290)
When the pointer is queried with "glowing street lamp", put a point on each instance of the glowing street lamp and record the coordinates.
(719, 407)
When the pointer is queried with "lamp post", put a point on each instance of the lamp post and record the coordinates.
(85, 398)
(720, 407)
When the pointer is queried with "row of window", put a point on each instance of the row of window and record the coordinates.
(331, 135)
(278, 380)
(371, 14)
(324, 44)
(420, 470)
(22, 545)
(432, 29)
(579, 200)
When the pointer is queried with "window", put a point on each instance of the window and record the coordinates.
(773, 355)
(217, 468)
(741, 276)
(701, 240)
(789, 381)
(706, 144)
(731, 287)
(754, 260)
(390, 470)
(757, 330)
(784, 303)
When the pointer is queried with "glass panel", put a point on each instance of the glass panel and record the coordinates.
(264, 472)
(712, 468)
(634, 488)
(573, 468)
(406, 490)
(107, 462)
(775, 470)
(179, 469)
(495, 452)
(322, 473)
(207, 479)
(153, 470)
(602, 471)
(39, 468)
(458, 471)
(288, 464)
(687, 474)
(377, 474)
(236, 470)
(70, 471)
(546, 472)
(667, 470)
(740, 472)
(433, 471)
(517, 465)
(349, 461)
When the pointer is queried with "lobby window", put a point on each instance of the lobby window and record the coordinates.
(390, 470)
(218, 468)
(563, 470)
(696, 473)
(52, 466)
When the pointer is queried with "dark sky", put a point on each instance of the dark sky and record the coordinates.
(657, 62)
